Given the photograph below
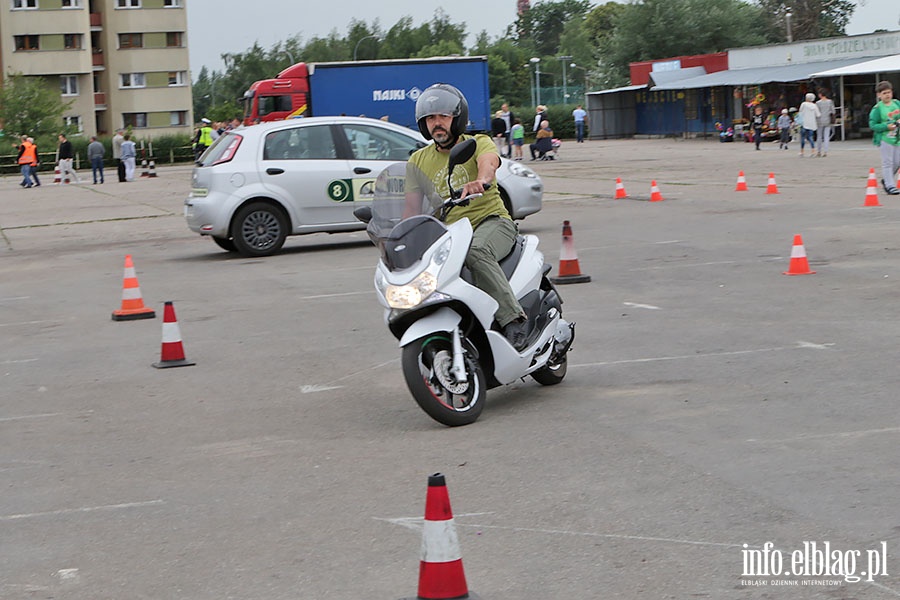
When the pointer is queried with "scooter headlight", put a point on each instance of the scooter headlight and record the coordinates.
(413, 293)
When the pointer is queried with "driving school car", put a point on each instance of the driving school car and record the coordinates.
(257, 185)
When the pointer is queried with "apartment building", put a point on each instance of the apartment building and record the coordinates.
(121, 62)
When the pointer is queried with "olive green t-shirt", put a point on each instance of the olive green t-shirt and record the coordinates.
(433, 164)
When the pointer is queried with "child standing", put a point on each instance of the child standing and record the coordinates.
(784, 129)
(517, 132)
(757, 121)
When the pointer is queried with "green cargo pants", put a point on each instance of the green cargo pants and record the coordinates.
(492, 240)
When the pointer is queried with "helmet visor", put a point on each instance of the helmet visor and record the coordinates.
(437, 102)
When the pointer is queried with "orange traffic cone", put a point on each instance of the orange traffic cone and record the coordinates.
(440, 569)
(172, 353)
(772, 188)
(799, 264)
(132, 304)
(872, 190)
(655, 195)
(56, 178)
(569, 271)
(620, 189)
(741, 183)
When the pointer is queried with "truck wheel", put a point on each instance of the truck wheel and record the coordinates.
(259, 229)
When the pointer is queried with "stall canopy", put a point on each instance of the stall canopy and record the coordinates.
(756, 75)
(885, 64)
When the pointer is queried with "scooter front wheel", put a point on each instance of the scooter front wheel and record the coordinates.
(426, 367)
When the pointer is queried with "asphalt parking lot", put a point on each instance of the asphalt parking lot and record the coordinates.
(712, 404)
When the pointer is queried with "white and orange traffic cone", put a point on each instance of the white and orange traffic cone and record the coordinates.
(132, 303)
(441, 574)
(872, 190)
(152, 167)
(799, 265)
(620, 188)
(741, 183)
(172, 353)
(772, 188)
(569, 271)
(56, 178)
(145, 171)
(655, 194)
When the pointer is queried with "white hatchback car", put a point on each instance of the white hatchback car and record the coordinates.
(257, 185)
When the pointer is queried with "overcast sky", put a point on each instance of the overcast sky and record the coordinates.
(217, 26)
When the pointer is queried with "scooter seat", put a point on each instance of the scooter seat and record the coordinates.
(508, 263)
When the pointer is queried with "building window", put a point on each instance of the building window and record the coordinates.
(177, 118)
(131, 40)
(128, 3)
(174, 39)
(132, 80)
(68, 85)
(172, 3)
(176, 78)
(27, 42)
(72, 41)
(74, 122)
(22, 4)
(134, 119)
(71, 3)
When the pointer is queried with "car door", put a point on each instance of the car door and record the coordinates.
(371, 148)
(300, 165)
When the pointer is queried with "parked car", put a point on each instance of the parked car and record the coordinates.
(257, 185)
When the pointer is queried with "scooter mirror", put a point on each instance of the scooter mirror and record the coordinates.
(461, 153)
(363, 213)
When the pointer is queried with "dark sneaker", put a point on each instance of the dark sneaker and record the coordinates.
(893, 191)
(516, 332)
(885, 186)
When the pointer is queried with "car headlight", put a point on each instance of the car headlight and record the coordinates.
(521, 170)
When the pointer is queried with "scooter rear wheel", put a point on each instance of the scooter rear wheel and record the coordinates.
(552, 373)
(426, 367)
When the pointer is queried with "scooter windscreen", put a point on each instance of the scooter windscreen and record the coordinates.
(402, 225)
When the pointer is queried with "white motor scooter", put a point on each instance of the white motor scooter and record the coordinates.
(452, 349)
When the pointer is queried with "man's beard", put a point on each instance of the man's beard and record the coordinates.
(442, 137)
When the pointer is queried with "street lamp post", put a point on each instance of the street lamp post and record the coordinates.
(787, 20)
(586, 80)
(537, 79)
(564, 60)
(360, 41)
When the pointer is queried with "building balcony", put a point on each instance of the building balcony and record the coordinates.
(99, 100)
(96, 21)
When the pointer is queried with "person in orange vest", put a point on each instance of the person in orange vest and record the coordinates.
(35, 166)
(27, 158)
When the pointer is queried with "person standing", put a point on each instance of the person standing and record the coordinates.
(498, 131)
(510, 119)
(784, 129)
(95, 152)
(129, 153)
(883, 121)
(204, 138)
(517, 132)
(65, 160)
(117, 154)
(581, 117)
(825, 122)
(809, 117)
(27, 157)
(757, 122)
(540, 115)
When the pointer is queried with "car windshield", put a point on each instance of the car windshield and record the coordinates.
(394, 216)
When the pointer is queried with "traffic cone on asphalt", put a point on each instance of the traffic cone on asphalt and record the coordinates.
(145, 172)
(132, 304)
(872, 190)
(772, 188)
(172, 353)
(741, 183)
(441, 573)
(152, 168)
(56, 178)
(799, 265)
(655, 195)
(569, 271)
(620, 189)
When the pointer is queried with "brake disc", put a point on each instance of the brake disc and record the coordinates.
(441, 364)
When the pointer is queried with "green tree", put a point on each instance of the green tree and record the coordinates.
(810, 19)
(650, 29)
(32, 106)
(541, 27)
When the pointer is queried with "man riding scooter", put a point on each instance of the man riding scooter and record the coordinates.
(442, 114)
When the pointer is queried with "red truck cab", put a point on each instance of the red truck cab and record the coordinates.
(285, 97)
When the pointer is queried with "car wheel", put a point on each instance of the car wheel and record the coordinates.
(259, 229)
(225, 243)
